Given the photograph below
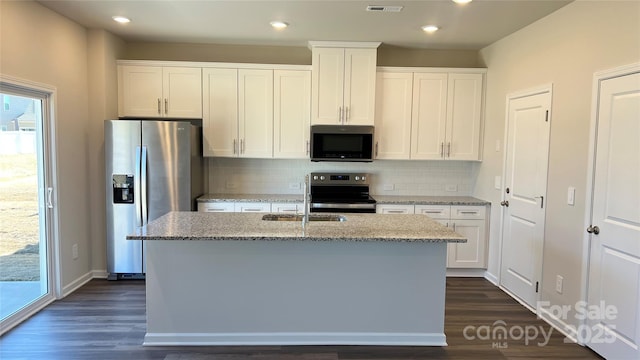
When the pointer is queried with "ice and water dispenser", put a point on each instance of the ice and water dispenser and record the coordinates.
(122, 189)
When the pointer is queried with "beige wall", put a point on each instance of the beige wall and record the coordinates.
(42, 46)
(387, 55)
(104, 49)
(564, 49)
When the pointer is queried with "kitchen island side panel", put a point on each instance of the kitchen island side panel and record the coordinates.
(295, 292)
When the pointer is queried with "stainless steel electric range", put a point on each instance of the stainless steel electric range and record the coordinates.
(341, 192)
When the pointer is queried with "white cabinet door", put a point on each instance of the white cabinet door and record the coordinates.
(464, 106)
(394, 209)
(139, 91)
(327, 90)
(215, 207)
(155, 91)
(220, 112)
(286, 208)
(472, 253)
(343, 86)
(291, 113)
(359, 86)
(393, 115)
(182, 92)
(428, 119)
(252, 207)
(255, 114)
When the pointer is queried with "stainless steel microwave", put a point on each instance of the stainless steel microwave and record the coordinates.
(341, 143)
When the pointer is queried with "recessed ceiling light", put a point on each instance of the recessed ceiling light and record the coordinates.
(121, 19)
(462, 1)
(430, 28)
(279, 24)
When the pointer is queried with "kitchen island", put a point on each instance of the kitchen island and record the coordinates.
(235, 279)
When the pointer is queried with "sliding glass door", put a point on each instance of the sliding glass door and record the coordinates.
(25, 203)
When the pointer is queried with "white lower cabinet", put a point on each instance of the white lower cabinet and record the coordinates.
(286, 208)
(394, 209)
(216, 207)
(468, 221)
(258, 207)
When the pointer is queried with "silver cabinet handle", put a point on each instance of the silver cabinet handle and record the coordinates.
(159, 110)
(215, 210)
(442, 149)
(593, 230)
(251, 210)
(376, 149)
(339, 114)
(449, 149)
(395, 211)
(346, 114)
(241, 146)
(166, 106)
(469, 212)
(234, 146)
(308, 147)
(431, 212)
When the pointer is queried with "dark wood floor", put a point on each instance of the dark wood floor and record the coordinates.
(106, 320)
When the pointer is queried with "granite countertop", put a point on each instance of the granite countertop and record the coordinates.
(381, 199)
(183, 225)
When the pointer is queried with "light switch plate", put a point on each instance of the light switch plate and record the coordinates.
(451, 188)
(497, 182)
(571, 195)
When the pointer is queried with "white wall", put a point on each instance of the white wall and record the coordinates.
(254, 176)
(42, 46)
(564, 48)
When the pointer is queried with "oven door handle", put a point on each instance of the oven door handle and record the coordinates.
(338, 206)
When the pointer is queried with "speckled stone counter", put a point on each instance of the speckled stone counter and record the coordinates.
(381, 199)
(370, 280)
(250, 226)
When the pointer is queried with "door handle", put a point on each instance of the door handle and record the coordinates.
(593, 230)
(505, 203)
(541, 200)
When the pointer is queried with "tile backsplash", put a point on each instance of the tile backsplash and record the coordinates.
(388, 177)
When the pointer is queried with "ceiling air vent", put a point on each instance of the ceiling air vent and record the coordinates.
(384, 8)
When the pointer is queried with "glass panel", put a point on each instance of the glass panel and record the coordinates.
(23, 260)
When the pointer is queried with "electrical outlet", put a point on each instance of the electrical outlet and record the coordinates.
(231, 185)
(451, 188)
(387, 187)
(559, 280)
(294, 186)
(74, 251)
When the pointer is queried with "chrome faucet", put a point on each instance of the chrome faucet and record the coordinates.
(305, 217)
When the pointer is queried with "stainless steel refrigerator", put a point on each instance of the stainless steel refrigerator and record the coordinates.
(152, 167)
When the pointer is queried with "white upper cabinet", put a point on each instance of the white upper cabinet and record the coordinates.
(393, 115)
(291, 113)
(157, 91)
(445, 114)
(428, 128)
(220, 112)
(255, 116)
(464, 116)
(238, 112)
(343, 83)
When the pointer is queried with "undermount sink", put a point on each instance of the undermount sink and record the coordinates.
(298, 217)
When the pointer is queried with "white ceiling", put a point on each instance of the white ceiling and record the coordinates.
(471, 26)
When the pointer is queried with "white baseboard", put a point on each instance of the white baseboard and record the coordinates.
(491, 277)
(559, 324)
(77, 283)
(465, 272)
(100, 274)
(254, 339)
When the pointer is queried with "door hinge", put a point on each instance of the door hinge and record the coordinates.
(537, 283)
(546, 116)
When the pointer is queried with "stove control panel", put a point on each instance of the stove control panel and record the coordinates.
(339, 179)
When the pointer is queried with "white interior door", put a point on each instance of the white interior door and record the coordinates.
(527, 149)
(614, 266)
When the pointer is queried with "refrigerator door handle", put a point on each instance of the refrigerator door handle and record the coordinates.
(136, 188)
(143, 190)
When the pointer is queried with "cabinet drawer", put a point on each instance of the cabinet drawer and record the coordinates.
(468, 212)
(252, 207)
(394, 209)
(286, 208)
(215, 207)
(434, 211)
